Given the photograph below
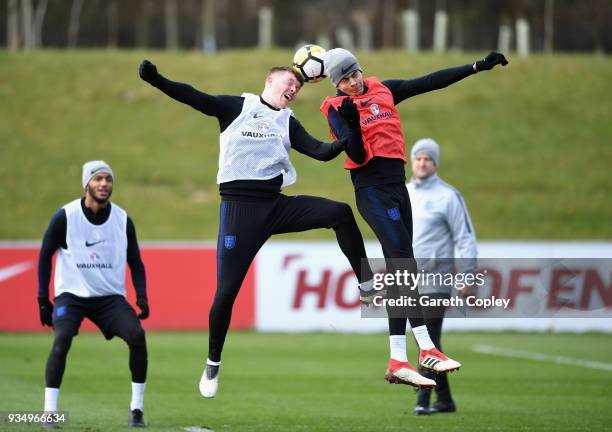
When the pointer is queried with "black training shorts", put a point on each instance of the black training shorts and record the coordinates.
(110, 313)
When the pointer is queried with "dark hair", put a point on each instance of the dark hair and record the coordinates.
(297, 75)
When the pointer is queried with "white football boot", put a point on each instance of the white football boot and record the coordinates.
(436, 361)
(209, 383)
(367, 292)
(404, 373)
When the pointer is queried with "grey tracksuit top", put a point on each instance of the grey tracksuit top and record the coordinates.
(442, 229)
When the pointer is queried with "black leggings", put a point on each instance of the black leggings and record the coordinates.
(434, 321)
(123, 324)
(244, 227)
(386, 209)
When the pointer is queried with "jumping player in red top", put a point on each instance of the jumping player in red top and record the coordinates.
(378, 175)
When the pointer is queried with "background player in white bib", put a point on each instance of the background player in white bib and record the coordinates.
(257, 134)
(442, 229)
(94, 238)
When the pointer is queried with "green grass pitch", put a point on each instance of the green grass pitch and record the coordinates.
(315, 382)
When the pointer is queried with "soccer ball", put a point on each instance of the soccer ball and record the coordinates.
(308, 61)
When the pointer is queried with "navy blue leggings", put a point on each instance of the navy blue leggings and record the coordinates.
(246, 224)
(386, 209)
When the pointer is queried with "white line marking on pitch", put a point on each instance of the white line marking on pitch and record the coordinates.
(528, 355)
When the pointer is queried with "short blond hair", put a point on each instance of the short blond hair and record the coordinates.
(297, 76)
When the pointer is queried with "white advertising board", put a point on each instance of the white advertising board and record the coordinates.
(309, 286)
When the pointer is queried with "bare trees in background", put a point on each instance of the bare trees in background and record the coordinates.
(388, 18)
(112, 16)
(143, 23)
(549, 29)
(208, 39)
(209, 25)
(12, 25)
(171, 21)
(601, 22)
(24, 24)
(39, 19)
(74, 24)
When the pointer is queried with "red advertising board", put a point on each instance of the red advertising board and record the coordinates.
(181, 283)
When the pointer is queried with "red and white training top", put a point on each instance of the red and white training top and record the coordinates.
(381, 128)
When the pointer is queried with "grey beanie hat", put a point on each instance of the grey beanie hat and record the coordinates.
(339, 63)
(92, 168)
(427, 146)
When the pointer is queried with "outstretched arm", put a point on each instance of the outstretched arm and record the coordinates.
(225, 108)
(404, 89)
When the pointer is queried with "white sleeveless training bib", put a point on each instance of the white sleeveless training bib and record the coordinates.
(94, 263)
(255, 146)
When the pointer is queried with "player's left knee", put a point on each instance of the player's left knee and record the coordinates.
(61, 342)
(343, 213)
(136, 337)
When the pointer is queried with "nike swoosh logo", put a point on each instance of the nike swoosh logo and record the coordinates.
(14, 270)
(87, 244)
(97, 169)
(365, 102)
(345, 70)
(258, 115)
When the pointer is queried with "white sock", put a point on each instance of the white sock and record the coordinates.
(51, 396)
(138, 390)
(212, 363)
(397, 343)
(367, 285)
(422, 337)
